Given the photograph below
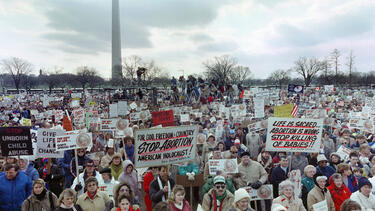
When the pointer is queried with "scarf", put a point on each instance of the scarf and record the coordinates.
(66, 207)
(41, 196)
(161, 188)
(116, 170)
(45, 161)
(92, 196)
(218, 198)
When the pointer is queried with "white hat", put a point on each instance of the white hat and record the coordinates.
(240, 194)
(237, 141)
(321, 157)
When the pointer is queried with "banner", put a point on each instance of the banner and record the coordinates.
(264, 192)
(259, 107)
(108, 124)
(73, 141)
(15, 141)
(122, 108)
(164, 146)
(227, 165)
(294, 135)
(165, 118)
(292, 88)
(283, 110)
(46, 142)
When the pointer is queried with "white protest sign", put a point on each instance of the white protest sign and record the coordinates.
(122, 108)
(320, 206)
(74, 103)
(76, 95)
(46, 143)
(328, 88)
(295, 178)
(264, 192)
(226, 165)
(259, 107)
(133, 105)
(135, 116)
(73, 141)
(184, 117)
(113, 110)
(79, 115)
(294, 135)
(343, 152)
(164, 146)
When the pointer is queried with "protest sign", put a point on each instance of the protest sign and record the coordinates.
(294, 135)
(113, 110)
(122, 108)
(320, 206)
(46, 143)
(26, 122)
(164, 146)
(264, 192)
(283, 110)
(295, 178)
(133, 105)
(165, 118)
(328, 88)
(292, 88)
(79, 115)
(74, 103)
(108, 124)
(184, 118)
(135, 116)
(259, 107)
(73, 141)
(15, 141)
(226, 165)
(343, 152)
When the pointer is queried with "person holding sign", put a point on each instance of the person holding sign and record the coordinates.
(160, 188)
(319, 193)
(287, 197)
(364, 196)
(89, 171)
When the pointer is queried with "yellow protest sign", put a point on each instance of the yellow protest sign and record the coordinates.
(26, 122)
(283, 111)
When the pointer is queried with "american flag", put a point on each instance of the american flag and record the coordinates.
(294, 110)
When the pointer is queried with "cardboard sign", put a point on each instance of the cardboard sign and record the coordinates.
(321, 206)
(165, 118)
(298, 89)
(343, 152)
(328, 88)
(226, 165)
(295, 178)
(26, 122)
(259, 107)
(15, 141)
(133, 105)
(113, 110)
(79, 115)
(264, 192)
(46, 143)
(283, 110)
(122, 108)
(108, 124)
(73, 141)
(294, 135)
(156, 147)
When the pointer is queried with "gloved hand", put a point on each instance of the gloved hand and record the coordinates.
(256, 185)
(78, 187)
(191, 176)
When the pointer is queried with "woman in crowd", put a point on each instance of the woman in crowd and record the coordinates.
(307, 182)
(116, 166)
(347, 177)
(160, 188)
(319, 193)
(339, 192)
(124, 189)
(162, 206)
(334, 160)
(287, 198)
(177, 200)
(241, 201)
(40, 198)
(350, 205)
(148, 178)
(130, 177)
(67, 201)
(124, 204)
(94, 199)
(363, 196)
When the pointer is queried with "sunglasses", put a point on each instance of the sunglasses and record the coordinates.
(220, 186)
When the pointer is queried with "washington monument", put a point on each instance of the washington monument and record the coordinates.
(116, 41)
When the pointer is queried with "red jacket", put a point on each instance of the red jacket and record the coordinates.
(130, 209)
(148, 178)
(185, 207)
(339, 195)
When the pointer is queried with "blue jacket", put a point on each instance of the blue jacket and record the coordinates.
(327, 171)
(14, 192)
(32, 172)
(277, 176)
(191, 167)
(65, 162)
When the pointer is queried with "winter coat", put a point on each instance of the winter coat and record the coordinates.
(210, 184)
(277, 176)
(78, 208)
(317, 195)
(131, 208)
(156, 194)
(352, 183)
(367, 204)
(293, 204)
(14, 192)
(327, 171)
(338, 194)
(185, 207)
(100, 202)
(116, 171)
(32, 172)
(148, 178)
(106, 159)
(108, 187)
(329, 147)
(54, 180)
(33, 204)
(130, 152)
(250, 174)
(81, 179)
(299, 162)
(81, 163)
(307, 185)
(131, 178)
(208, 201)
(64, 163)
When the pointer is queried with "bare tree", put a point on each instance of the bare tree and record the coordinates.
(308, 68)
(220, 69)
(350, 66)
(85, 75)
(240, 74)
(152, 71)
(52, 78)
(18, 68)
(326, 75)
(280, 77)
(130, 65)
(335, 55)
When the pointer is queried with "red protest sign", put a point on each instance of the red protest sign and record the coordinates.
(165, 118)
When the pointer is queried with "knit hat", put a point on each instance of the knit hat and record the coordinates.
(321, 157)
(240, 194)
(362, 181)
(219, 179)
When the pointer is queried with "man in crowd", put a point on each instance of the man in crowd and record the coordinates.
(218, 198)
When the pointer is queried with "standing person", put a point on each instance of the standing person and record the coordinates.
(64, 163)
(299, 161)
(160, 188)
(15, 187)
(82, 159)
(322, 167)
(109, 182)
(129, 149)
(110, 151)
(279, 174)
(348, 178)
(241, 201)
(28, 167)
(339, 192)
(364, 196)
(40, 198)
(319, 193)
(215, 155)
(250, 173)
(116, 166)
(124, 204)
(129, 175)
(177, 199)
(55, 178)
(89, 171)
(67, 201)
(124, 189)
(350, 205)
(94, 199)
(307, 182)
(287, 198)
(148, 178)
(218, 198)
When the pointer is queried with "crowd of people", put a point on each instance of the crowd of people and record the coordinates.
(340, 176)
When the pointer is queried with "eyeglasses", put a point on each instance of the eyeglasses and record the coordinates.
(124, 190)
(220, 186)
(233, 152)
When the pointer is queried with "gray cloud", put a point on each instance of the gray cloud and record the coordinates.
(198, 38)
(218, 46)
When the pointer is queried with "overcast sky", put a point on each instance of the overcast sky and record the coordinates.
(181, 34)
